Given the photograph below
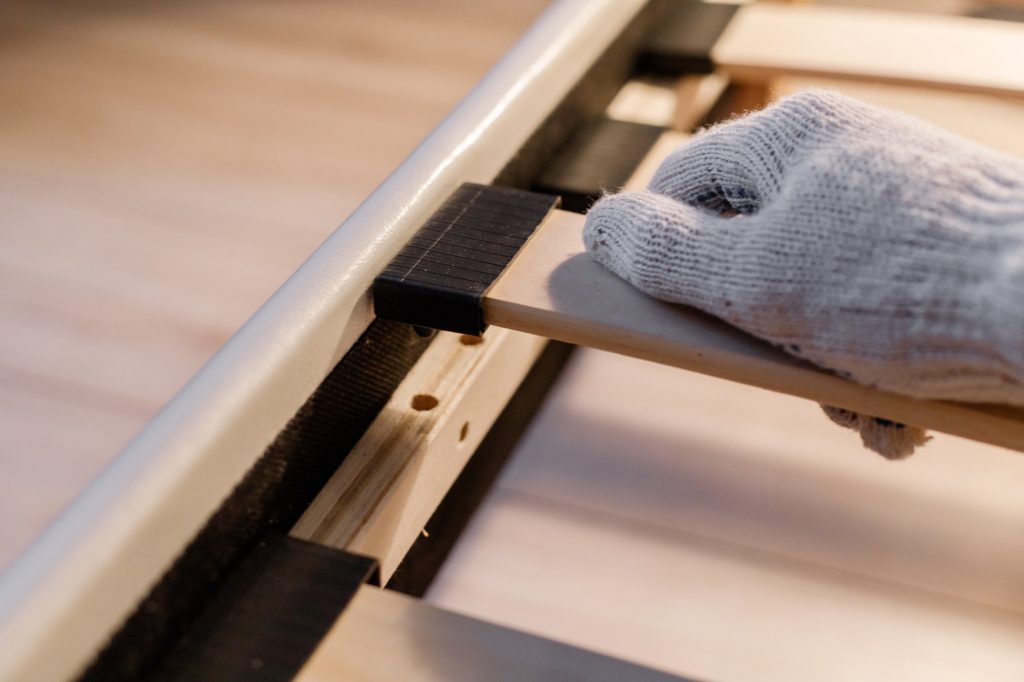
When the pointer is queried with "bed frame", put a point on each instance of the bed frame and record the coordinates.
(244, 531)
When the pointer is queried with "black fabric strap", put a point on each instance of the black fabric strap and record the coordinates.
(270, 616)
(683, 43)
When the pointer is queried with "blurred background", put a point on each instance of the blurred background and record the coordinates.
(165, 166)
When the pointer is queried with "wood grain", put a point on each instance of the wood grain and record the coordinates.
(385, 636)
(706, 609)
(706, 460)
(764, 41)
(379, 500)
(553, 288)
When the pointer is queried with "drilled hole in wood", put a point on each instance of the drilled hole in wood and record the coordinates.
(463, 432)
(421, 402)
(467, 340)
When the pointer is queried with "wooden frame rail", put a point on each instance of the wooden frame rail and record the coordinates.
(382, 495)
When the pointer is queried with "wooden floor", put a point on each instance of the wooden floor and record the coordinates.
(163, 168)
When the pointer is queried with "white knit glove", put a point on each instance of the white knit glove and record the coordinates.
(867, 242)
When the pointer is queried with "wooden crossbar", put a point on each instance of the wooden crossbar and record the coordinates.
(764, 41)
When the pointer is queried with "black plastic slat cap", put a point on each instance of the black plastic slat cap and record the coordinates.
(440, 277)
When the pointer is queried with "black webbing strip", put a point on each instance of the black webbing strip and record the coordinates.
(281, 485)
(268, 501)
(271, 615)
(683, 42)
(439, 278)
(599, 157)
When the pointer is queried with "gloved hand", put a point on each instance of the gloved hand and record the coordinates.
(867, 242)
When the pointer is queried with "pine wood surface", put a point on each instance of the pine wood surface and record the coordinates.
(766, 40)
(380, 498)
(384, 636)
(163, 168)
(726, 533)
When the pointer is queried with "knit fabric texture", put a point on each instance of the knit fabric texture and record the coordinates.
(867, 242)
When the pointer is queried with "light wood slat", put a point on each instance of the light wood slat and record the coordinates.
(709, 460)
(380, 498)
(651, 101)
(703, 609)
(553, 288)
(677, 103)
(764, 41)
(384, 636)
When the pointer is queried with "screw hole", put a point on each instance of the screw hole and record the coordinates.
(464, 432)
(467, 340)
(423, 402)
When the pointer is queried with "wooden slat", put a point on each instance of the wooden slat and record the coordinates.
(708, 609)
(378, 501)
(677, 103)
(385, 636)
(701, 458)
(764, 41)
(553, 288)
